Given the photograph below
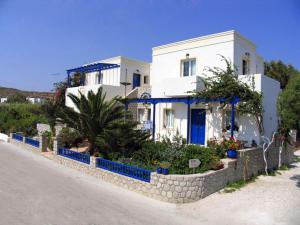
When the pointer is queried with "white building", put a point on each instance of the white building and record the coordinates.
(3, 100)
(176, 69)
(113, 75)
(35, 100)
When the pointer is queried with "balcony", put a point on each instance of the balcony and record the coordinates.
(180, 86)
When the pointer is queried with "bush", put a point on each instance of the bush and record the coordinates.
(181, 164)
(153, 154)
(150, 154)
(20, 118)
(70, 137)
(217, 149)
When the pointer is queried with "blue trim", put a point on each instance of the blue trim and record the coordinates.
(17, 137)
(186, 100)
(81, 157)
(198, 121)
(232, 119)
(93, 68)
(90, 68)
(126, 170)
(188, 123)
(153, 120)
(32, 142)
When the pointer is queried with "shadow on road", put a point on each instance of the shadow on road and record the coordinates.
(297, 179)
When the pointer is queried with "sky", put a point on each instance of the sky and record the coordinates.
(41, 39)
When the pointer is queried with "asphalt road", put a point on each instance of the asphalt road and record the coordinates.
(36, 191)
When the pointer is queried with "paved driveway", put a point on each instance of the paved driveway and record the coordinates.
(36, 191)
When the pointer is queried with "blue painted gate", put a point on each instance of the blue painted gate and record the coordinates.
(198, 126)
(136, 80)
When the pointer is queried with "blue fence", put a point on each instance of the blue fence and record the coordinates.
(32, 142)
(130, 171)
(17, 137)
(81, 157)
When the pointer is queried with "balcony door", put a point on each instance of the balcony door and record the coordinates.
(198, 126)
(136, 80)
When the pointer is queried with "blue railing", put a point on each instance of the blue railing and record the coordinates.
(32, 142)
(130, 171)
(17, 137)
(81, 157)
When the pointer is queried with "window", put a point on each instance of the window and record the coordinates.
(168, 118)
(149, 114)
(245, 66)
(227, 121)
(189, 67)
(140, 115)
(146, 79)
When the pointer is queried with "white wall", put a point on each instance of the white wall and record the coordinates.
(271, 90)
(166, 81)
(112, 78)
(111, 92)
(166, 60)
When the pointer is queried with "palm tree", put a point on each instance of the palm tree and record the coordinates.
(93, 115)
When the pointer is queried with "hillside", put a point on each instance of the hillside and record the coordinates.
(4, 92)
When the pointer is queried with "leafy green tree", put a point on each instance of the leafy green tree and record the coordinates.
(20, 118)
(93, 115)
(288, 105)
(16, 98)
(224, 83)
(280, 71)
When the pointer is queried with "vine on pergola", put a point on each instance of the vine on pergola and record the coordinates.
(224, 83)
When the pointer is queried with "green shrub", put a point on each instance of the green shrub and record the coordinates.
(150, 154)
(21, 118)
(70, 137)
(181, 164)
(217, 149)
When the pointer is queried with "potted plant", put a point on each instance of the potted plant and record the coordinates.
(159, 170)
(232, 146)
(165, 167)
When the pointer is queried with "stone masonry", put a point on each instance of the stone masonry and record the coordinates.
(184, 188)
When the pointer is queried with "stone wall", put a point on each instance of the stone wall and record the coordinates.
(185, 188)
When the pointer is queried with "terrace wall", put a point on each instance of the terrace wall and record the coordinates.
(184, 188)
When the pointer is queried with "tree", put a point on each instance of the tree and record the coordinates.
(280, 71)
(16, 98)
(93, 115)
(288, 105)
(20, 118)
(122, 138)
(224, 83)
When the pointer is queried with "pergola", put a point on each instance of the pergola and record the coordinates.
(188, 101)
(96, 67)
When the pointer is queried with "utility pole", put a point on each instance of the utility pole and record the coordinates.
(125, 84)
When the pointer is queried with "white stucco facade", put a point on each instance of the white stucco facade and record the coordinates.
(179, 68)
(168, 80)
(112, 78)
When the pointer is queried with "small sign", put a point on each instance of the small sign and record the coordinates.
(194, 163)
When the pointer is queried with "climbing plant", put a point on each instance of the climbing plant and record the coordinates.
(225, 83)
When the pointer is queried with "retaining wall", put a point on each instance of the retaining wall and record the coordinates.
(185, 188)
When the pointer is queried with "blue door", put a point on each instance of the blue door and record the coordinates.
(198, 126)
(136, 80)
